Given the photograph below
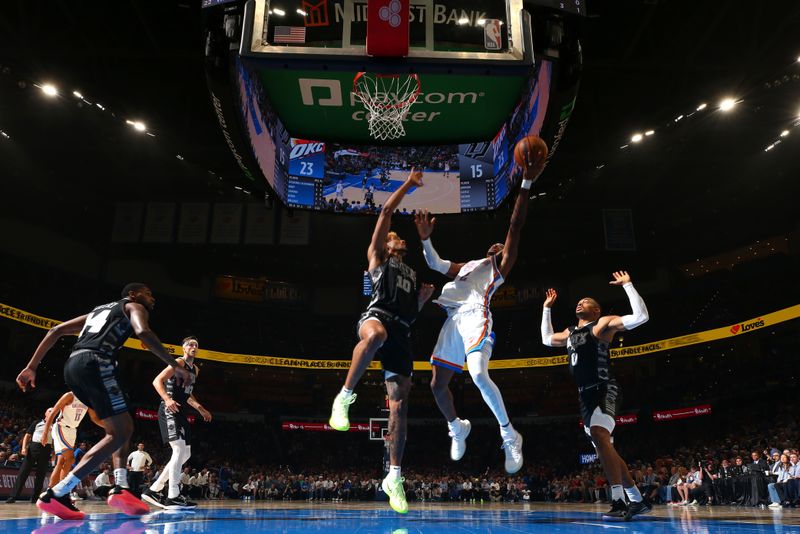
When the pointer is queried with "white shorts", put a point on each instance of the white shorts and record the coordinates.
(462, 333)
(63, 438)
(600, 419)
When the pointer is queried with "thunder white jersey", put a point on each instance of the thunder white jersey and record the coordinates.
(72, 414)
(473, 287)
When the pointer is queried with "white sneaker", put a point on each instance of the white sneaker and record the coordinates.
(775, 506)
(693, 503)
(339, 417)
(458, 445)
(513, 450)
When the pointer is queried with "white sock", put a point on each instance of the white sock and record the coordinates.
(347, 392)
(633, 494)
(455, 425)
(394, 472)
(121, 477)
(617, 493)
(66, 485)
(507, 432)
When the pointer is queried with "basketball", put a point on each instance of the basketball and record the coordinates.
(531, 147)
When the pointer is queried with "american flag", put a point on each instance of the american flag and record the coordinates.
(289, 34)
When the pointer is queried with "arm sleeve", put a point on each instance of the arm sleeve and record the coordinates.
(432, 258)
(547, 327)
(639, 315)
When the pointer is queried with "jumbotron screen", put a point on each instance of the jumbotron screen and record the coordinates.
(315, 174)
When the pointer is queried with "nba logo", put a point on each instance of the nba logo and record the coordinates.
(492, 35)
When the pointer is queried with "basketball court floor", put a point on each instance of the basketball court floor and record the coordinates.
(440, 194)
(423, 518)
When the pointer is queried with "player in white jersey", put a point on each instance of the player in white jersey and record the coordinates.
(467, 331)
(64, 419)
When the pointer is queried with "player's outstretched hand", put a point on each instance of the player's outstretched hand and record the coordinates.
(206, 414)
(425, 292)
(424, 224)
(620, 278)
(551, 298)
(531, 167)
(25, 378)
(415, 177)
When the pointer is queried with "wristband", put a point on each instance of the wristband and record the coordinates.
(526, 184)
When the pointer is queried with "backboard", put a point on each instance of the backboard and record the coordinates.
(443, 30)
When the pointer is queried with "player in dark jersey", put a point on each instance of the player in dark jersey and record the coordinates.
(598, 393)
(385, 329)
(91, 374)
(175, 429)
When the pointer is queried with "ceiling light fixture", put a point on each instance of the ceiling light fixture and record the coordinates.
(49, 90)
(727, 104)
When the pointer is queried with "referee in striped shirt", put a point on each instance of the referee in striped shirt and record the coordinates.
(35, 454)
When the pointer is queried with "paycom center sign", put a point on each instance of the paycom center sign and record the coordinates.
(322, 105)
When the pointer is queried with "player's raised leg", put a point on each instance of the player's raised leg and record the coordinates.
(372, 335)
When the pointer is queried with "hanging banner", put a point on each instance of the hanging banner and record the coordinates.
(627, 419)
(152, 415)
(681, 413)
(738, 329)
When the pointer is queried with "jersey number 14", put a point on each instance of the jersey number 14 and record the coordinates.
(94, 323)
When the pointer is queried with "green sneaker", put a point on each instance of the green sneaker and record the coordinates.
(397, 495)
(339, 419)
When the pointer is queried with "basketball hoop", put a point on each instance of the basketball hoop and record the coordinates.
(387, 99)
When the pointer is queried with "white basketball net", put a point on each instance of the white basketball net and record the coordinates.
(387, 99)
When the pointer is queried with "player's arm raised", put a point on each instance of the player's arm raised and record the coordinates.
(141, 326)
(377, 245)
(531, 172)
(550, 338)
(424, 224)
(27, 377)
(65, 399)
(639, 315)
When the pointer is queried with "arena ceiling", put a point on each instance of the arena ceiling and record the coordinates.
(701, 185)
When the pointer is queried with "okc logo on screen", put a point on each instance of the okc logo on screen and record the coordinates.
(391, 13)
